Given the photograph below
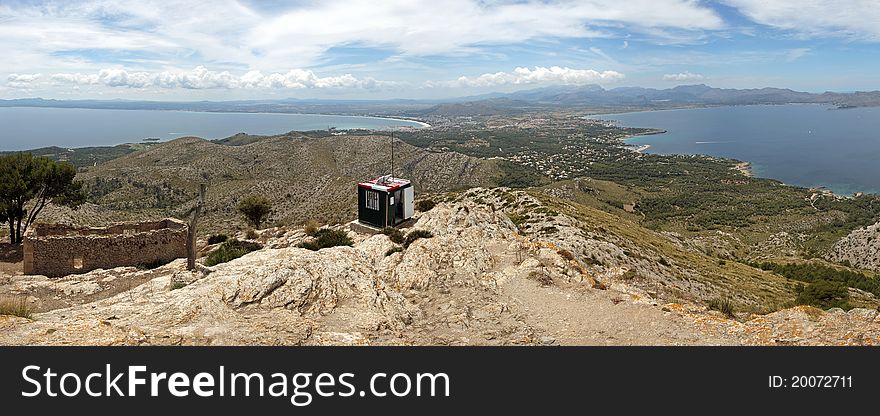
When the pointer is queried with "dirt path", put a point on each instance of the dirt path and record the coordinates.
(575, 314)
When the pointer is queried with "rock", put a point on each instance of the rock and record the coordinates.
(863, 313)
(547, 340)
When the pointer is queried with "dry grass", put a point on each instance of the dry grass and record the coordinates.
(16, 306)
(311, 227)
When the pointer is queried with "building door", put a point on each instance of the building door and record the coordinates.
(398, 206)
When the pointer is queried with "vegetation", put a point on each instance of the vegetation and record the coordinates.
(824, 294)
(28, 184)
(396, 236)
(392, 250)
(815, 273)
(217, 239)
(514, 175)
(543, 278)
(566, 255)
(414, 235)
(425, 205)
(16, 306)
(311, 227)
(325, 238)
(722, 305)
(85, 157)
(231, 250)
(255, 208)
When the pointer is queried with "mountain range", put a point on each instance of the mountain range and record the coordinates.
(588, 96)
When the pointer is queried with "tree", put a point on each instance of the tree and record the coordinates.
(28, 184)
(255, 209)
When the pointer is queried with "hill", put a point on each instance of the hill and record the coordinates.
(304, 177)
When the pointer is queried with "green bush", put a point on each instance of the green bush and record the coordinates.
(392, 250)
(231, 250)
(425, 205)
(824, 294)
(255, 208)
(812, 273)
(217, 239)
(325, 238)
(395, 235)
(414, 235)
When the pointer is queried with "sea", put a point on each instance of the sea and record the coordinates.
(799, 144)
(23, 128)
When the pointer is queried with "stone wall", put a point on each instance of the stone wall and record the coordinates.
(58, 250)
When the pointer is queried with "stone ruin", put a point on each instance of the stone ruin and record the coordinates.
(58, 250)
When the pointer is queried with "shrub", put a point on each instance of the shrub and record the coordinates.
(824, 294)
(255, 208)
(16, 306)
(415, 235)
(396, 236)
(311, 227)
(543, 278)
(178, 285)
(251, 234)
(629, 275)
(815, 273)
(325, 238)
(231, 250)
(392, 250)
(217, 239)
(722, 305)
(425, 205)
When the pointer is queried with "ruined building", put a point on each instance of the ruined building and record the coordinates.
(59, 250)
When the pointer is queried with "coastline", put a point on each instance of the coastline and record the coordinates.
(642, 147)
(744, 168)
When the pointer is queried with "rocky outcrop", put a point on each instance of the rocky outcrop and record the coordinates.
(861, 248)
(480, 280)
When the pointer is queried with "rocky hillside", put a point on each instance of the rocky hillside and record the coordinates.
(305, 177)
(502, 268)
(861, 248)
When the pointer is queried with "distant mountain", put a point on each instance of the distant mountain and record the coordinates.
(683, 95)
(588, 96)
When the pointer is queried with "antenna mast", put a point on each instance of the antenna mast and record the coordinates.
(392, 155)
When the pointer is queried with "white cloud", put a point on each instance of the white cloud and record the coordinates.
(21, 81)
(229, 33)
(856, 19)
(538, 75)
(683, 76)
(202, 78)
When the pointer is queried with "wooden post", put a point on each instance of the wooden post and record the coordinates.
(191, 232)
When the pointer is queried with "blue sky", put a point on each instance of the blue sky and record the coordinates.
(225, 49)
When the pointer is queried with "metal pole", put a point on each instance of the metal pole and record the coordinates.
(392, 154)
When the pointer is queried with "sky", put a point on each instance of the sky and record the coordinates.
(249, 49)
